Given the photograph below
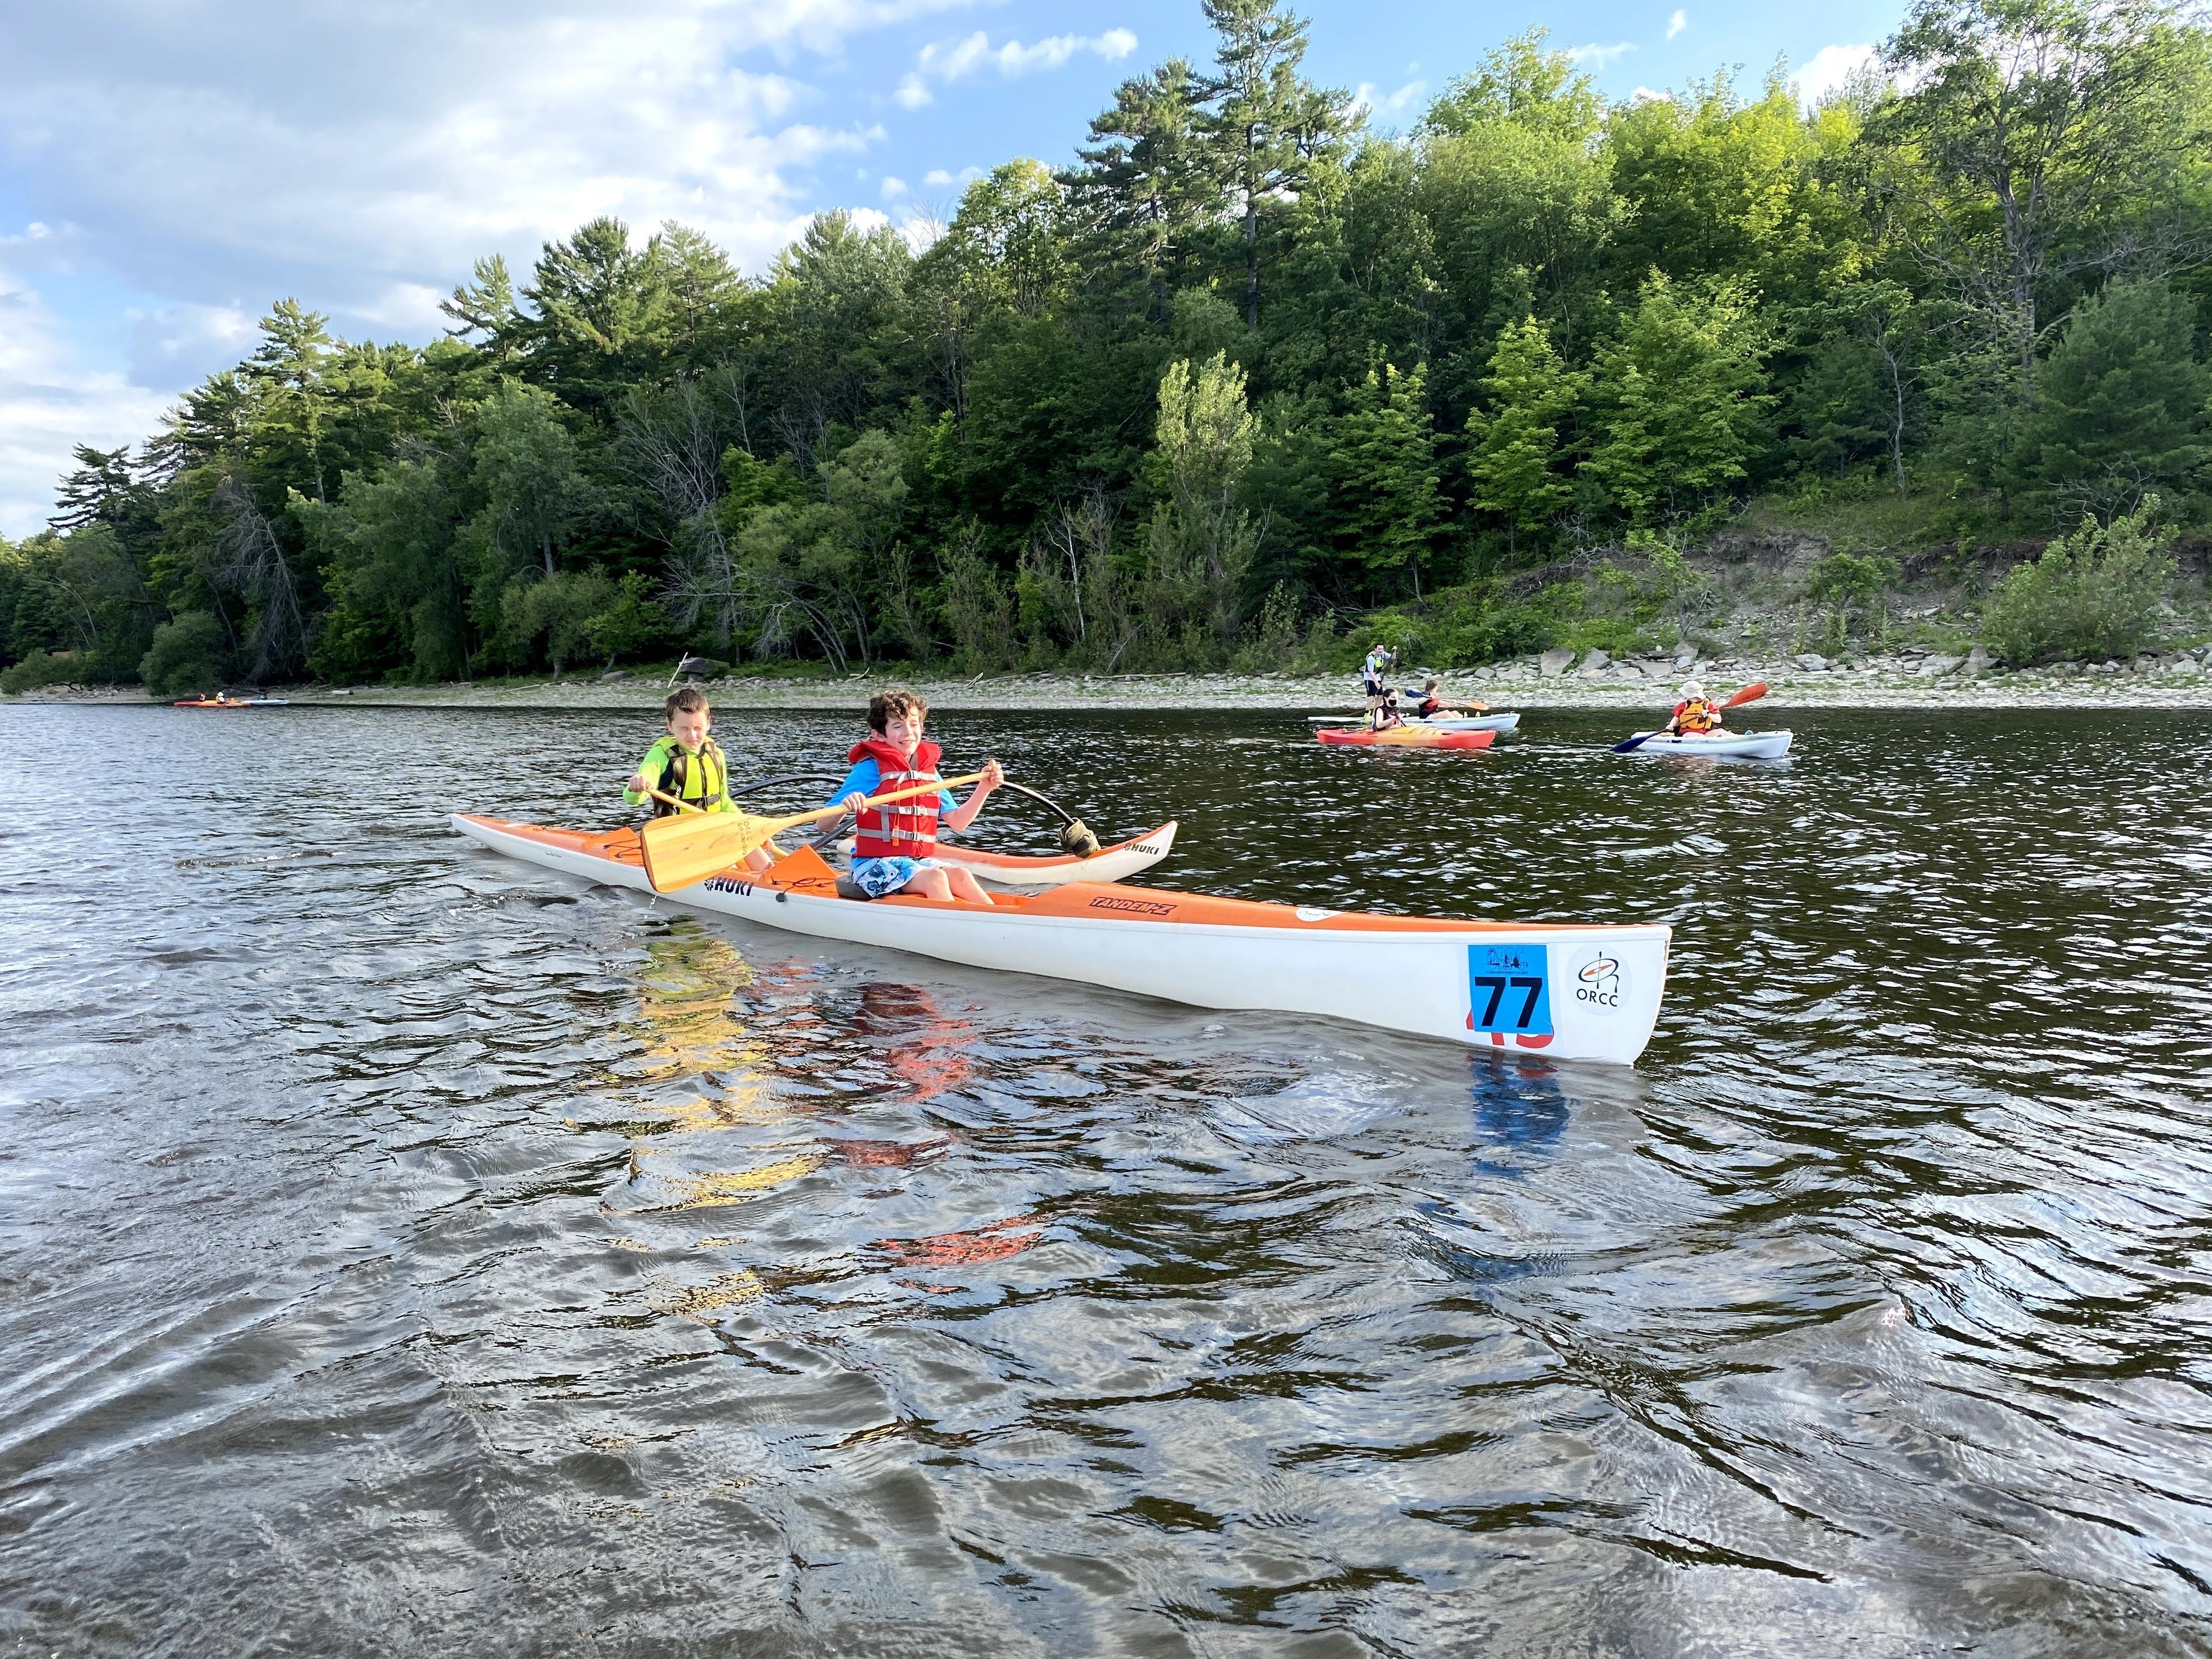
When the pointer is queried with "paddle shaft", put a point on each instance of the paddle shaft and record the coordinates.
(1751, 693)
(874, 800)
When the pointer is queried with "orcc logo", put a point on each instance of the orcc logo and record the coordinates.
(1599, 983)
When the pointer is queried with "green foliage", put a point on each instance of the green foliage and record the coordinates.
(2094, 594)
(44, 668)
(2124, 402)
(189, 653)
(1680, 401)
(1514, 454)
(634, 625)
(1201, 540)
(1846, 581)
(1383, 476)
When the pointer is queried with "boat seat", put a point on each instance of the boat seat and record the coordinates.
(847, 887)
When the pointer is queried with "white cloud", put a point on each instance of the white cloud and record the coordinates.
(948, 61)
(1830, 68)
(1677, 23)
(1370, 101)
(940, 177)
(215, 155)
(49, 403)
(893, 187)
(177, 345)
(1601, 56)
(1646, 95)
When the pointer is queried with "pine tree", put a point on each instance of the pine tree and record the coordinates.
(1384, 478)
(2124, 398)
(1266, 127)
(1514, 448)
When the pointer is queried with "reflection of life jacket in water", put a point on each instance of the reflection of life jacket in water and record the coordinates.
(1696, 716)
(702, 785)
(904, 829)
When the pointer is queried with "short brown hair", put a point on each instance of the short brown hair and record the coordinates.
(887, 706)
(682, 700)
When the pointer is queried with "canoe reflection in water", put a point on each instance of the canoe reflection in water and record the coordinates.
(927, 1050)
(994, 1242)
(1519, 1106)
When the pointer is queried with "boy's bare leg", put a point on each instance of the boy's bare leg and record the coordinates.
(946, 886)
(929, 884)
(965, 887)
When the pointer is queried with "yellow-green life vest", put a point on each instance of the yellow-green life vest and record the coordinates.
(702, 785)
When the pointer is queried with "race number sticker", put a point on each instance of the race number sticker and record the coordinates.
(1509, 990)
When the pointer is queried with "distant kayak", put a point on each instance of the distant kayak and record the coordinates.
(232, 702)
(1499, 723)
(1740, 745)
(1408, 737)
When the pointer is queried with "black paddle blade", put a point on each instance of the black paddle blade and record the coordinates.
(1076, 838)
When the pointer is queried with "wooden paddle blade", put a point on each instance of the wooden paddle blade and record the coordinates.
(681, 851)
(1751, 693)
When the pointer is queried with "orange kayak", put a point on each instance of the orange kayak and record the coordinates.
(1408, 737)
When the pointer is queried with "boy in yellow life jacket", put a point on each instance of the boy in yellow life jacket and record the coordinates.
(687, 765)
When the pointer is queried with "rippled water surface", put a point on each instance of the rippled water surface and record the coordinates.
(405, 1250)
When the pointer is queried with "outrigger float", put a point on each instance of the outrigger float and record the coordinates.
(1565, 992)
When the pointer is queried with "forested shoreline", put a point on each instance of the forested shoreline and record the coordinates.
(1242, 378)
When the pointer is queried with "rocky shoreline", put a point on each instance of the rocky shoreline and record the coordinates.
(1556, 679)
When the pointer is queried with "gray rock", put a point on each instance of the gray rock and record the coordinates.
(1937, 667)
(614, 674)
(1811, 661)
(1978, 660)
(1595, 660)
(1628, 671)
(1556, 661)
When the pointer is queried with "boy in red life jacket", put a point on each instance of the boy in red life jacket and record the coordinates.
(1694, 716)
(1431, 700)
(892, 844)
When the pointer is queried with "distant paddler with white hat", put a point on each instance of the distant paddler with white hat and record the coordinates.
(1695, 715)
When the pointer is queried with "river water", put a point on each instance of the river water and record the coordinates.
(407, 1251)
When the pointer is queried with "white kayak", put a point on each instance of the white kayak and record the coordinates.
(1567, 991)
(1506, 722)
(1116, 863)
(1740, 745)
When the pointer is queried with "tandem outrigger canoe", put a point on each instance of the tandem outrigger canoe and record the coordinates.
(1564, 991)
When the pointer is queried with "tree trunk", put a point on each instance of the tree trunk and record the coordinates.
(1251, 261)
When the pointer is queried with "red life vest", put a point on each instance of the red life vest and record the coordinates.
(904, 829)
(1695, 715)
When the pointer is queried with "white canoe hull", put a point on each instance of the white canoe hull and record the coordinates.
(1594, 991)
(1741, 745)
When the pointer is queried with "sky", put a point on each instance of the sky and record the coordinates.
(169, 168)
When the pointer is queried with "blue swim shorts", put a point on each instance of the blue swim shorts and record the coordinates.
(879, 877)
